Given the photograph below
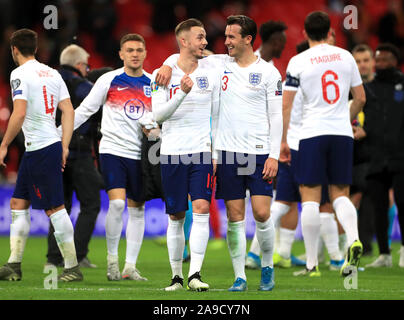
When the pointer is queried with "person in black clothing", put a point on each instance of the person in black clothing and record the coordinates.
(80, 174)
(384, 127)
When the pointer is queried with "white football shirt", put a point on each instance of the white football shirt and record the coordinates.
(186, 118)
(325, 75)
(250, 113)
(42, 87)
(295, 123)
(126, 101)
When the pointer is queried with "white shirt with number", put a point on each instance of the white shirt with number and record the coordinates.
(126, 102)
(42, 87)
(186, 118)
(325, 75)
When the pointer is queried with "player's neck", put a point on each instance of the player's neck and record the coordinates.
(133, 72)
(187, 63)
(21, 59)
(266, 55)
(247, 58)
(313, 43)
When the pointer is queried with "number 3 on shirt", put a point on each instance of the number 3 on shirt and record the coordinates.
(325, 84)
(225, 79)
(45, 97)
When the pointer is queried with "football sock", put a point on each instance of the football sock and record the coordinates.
(329, 234)
(265, 232)
(310, 220)
(175, 245)
(237, 243)
(134, 233)
(19, 231)
(347, 216)
(187, 227)
(278, 210)
(392, 215)
(255, 246)
(113, 225)
(198, 241)
(286, 239)
(64, 235)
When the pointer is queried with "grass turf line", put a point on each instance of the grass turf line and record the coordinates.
(376, 284)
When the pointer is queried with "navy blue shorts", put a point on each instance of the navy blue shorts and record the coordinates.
(181, 177)
(120, 172)
(287, 187)
(237, 172)
(40, 178)
(325, 158)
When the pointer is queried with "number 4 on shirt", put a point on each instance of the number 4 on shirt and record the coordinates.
(45, 97)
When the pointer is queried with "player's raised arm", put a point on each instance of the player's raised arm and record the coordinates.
(14, 126)
(163, 108)
(92, 103)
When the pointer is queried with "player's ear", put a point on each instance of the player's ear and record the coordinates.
(305, 35)
(121, 54)
(248, 39)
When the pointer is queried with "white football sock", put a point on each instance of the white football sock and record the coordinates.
(134, 234)
(175, 245)
(237, 243)
(329, 234)
(286, 239)
(64, 235)
(278, 210)
(347, 216)
(265, 232)
(277, 240)
(19, 231)
(310, 220)
(255, 246)
(342, 244)
(113, 225)
(198, 241)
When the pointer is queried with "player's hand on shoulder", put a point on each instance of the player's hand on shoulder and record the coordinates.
(270, 169)
(163, 76)
(186, 83)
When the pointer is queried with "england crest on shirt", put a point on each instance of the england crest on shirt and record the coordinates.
(202, 82)
(147, 91)
(255, 78)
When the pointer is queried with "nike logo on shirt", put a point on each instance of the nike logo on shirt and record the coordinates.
(227, 72)
(120, 89)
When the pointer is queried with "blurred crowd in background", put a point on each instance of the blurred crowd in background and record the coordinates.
(98, 25)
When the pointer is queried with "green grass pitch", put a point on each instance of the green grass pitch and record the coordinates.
(376, 284)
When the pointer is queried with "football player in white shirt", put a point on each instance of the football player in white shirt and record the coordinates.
(249, 132)
(273, 36)
(124, 94)
(37, 90)
(325, 74)
(185, 108)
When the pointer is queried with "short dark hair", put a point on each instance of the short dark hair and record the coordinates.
(390, 48)
(25, 40)
(248, 26)
(187, 25)
(317, 24)
(302, 46)
(132, 37)
(362, 48)
(270, 27)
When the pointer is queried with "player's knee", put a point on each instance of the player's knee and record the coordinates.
(116, 206)
(200, 206)
(18, 204)
(261, 215)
